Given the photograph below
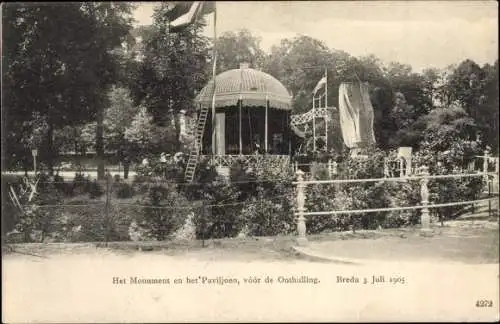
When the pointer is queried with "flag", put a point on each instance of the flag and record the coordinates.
(185, 13)
(321, 83)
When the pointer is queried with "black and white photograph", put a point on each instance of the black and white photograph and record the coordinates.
(250, 161)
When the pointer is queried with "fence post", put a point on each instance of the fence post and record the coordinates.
(106, 208)
(301, 199)
(203, 223)
(386, 168)
(495, 177)
(425, 217)
(485, 165)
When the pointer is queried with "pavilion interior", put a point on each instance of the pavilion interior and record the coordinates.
(243, 132)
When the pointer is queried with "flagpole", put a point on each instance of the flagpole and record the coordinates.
(326, 109)
(214, 71)
(314, 121)
(326, 88)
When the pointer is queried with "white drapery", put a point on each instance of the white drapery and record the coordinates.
(356, 115)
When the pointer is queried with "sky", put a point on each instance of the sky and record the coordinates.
(423, 34)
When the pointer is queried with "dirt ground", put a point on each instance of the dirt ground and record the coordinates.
(78, 282)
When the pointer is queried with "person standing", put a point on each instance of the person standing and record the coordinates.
(163, 161)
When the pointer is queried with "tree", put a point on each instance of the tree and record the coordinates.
(58, 75)
(240, 47)
(299, 63)
(111, 23)
(476, 90)
(143, 136)
(443, 127)
(173, 68)
(488, 109)
(413, 85)
(141, 129)
(118, 117)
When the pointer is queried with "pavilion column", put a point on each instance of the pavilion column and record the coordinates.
(289, 131)
(239, 128)
(266, 132)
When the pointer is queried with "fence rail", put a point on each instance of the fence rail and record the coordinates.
(404, 178)
(423, 177)
(375, 210)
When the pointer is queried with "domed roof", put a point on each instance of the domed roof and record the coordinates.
(253, 87)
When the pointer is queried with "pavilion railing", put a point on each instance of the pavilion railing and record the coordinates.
(229, 160)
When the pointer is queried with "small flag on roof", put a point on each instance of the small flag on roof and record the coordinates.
(186, 13)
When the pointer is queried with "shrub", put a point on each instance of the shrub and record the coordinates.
(87, 221)
(205, 174)
(453, 156)
(263, 216)
(164, 211)
(402, 194)
(366, 195)
(325, 197)
(95, 189)
(86, 216)
(42, 213)
(268, 196)
(120, 218)
(124, 190)
(364, 167)
(320, 171)
(66, 188)
(10, 214)
(80, 184)
(140, 183)
(223, 215)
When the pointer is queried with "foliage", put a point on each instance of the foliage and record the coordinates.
(174, 66)
(10, 213)
(401, 194)
(268, 194)
(164, 211)
(369, 165)
(265, 216)
(299, 63)
(222, 203)
(124, 190)
(234, 48)
(448, 138)
(95, 189)
(81, 184)
(354, 196)
(57, 78)
(118, 117)
(143, 137)
(38, 214)
(475, 89)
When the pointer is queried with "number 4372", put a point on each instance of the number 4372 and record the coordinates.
(484, 303)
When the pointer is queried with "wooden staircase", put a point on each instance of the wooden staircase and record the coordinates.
(195, 152)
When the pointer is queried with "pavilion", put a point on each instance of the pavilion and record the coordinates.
(252, 117)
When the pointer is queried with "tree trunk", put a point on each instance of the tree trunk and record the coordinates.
(99, 144)
(50, 148)
(177, 144)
